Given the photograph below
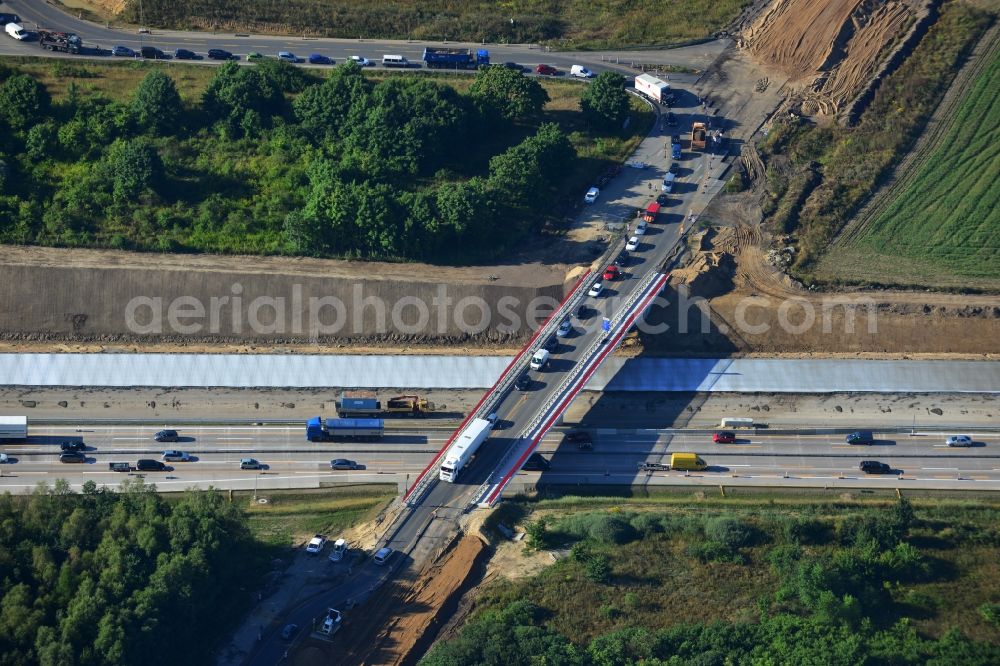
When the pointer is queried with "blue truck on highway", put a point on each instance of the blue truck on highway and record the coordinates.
(320, 430)
(442, 58)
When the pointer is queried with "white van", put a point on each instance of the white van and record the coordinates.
(395, 61)
(581, 72)
(668, 182)
(16, 31)
(540, 359)
(736, 423)
(339, 550)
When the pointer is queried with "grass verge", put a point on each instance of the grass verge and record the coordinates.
(575, 24)
(289, 517)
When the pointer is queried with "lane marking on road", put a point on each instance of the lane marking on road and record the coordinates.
(235, 439)
(941, 469)
(131, 439)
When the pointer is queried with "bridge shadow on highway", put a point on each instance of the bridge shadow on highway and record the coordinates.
(624, 425)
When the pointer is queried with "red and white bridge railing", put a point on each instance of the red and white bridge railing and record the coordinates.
(425, 480)
(490, 492)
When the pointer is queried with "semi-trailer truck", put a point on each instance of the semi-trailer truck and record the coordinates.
(367, 404)
(14, 427)
(656, 89)
(67, 42)
(320, 430)
(464, 448)
(443, 58)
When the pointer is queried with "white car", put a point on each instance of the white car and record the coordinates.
(175, 456)
(3, 458)
(363, 62)
(564, 329)
(331, 623)
(591, 195)
(633, 244)
(287, 55)
(316, 544)
(959, 440)
(636, 164)
(640, 229)
(596, 290)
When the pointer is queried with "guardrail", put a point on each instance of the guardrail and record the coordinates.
(494, 395)
(635, 306)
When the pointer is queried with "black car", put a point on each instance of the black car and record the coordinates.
(671, 118)
(343, 463)
(152, 53)
(551, 343)
(149, 465)
(184, 54)
(514, 66)
(874, 467)
(536, 463)
(288, 631)
(219, 54)
(663, 199)
(582, 310)
(582, 439)
(861, 437)
(622, 258)
(523, 382)
(674, 169)
(166, 436)
(72, 446)
(73, 457)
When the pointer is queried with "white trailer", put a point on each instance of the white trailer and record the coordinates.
(463, 448)
(13, 427)
(656, 89)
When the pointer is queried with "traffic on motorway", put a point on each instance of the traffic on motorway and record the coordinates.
(145, 46)
(198, 452)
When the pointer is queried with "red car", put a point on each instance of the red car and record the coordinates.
(548, 70)
(724, 437)
(612, 273)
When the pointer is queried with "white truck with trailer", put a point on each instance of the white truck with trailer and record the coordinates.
(656, 89)
(464, 448)
(14, 427)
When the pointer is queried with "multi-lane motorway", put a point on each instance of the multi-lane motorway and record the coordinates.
(35, 15)
(921, 458)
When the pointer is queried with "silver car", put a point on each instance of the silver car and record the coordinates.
(959, 440)
(175, 456)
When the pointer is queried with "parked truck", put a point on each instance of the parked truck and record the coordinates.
(655, 89)
(14, 427)
(320, 430)
(652, 210)
(464, 448)
(698, 134)
(67, 42)
(443, 58)
(367, 404)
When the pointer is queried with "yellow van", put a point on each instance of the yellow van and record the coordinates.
(687, 462)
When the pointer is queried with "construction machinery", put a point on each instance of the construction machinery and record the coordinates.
(699, 134)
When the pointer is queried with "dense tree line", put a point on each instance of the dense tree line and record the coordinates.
(840, 597)
(273, 160)
(103, 577)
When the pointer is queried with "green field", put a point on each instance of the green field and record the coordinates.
(943, 229)
(565, 23)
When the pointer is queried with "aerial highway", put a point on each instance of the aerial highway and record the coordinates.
(288, 458)
(42, 15)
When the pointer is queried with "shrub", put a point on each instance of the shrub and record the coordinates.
(597, 569)
(731, 532)
(808, 531)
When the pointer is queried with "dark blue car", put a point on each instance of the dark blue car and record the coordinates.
(319, 59)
